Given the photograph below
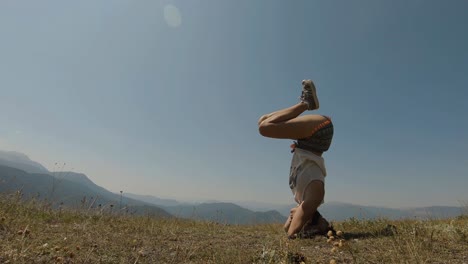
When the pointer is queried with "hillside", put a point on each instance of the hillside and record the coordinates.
(75, 191)
(32, 233)
(336, 211)
(20, 161)
(221, 212)
(66, 188)
(153, 199)
(226, 213)
(342, 211)
(339, 211)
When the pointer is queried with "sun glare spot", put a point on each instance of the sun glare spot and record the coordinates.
(172, 16)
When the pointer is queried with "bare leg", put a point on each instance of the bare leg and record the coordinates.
(313, 197)
(264, 117)
(287, 123)
(290, 217)
(286, 113)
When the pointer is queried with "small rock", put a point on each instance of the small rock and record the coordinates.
(341, 243)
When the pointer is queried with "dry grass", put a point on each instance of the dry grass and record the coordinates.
(32, 233)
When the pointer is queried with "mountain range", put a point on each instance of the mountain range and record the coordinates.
(69, 192)
(65, 188)
(336, 211)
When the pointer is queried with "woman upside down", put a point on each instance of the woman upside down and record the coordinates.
(313, 135)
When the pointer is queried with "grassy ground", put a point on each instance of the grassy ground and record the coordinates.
(33, 233)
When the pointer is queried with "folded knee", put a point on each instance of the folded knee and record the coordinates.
(264, 129)
(262, 118)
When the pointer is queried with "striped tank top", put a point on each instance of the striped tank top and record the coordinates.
(319, 141)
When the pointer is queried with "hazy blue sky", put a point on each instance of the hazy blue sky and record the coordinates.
(156, 103)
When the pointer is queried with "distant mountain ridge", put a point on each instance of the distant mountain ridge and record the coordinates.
(20, 161)
(82, 179)
(17, 171)
(339, 211)
(227, 213)
(335, 211)
(153, 199)
(221, 212)
(70, 188)
(64, 192)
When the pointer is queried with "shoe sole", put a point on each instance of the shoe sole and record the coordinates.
(312, 89)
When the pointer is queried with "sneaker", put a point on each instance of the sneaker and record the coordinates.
(309, 95)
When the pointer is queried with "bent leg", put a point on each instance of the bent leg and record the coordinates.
(313, 197)
(264, 117)
(290, 217)
(287, 123)
(286, 113)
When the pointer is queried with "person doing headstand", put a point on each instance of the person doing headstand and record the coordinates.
(313, 135)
